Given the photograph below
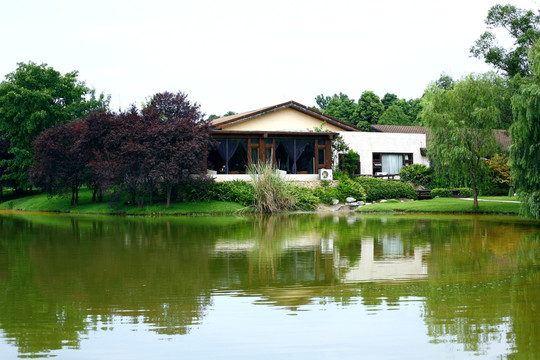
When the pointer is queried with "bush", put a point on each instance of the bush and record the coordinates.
(305, 199)
(441, 192)
(385, 189)
(350, 162)
(417, 174)
(467, 192)
(195, 189)
(344, 189)
(236, 191)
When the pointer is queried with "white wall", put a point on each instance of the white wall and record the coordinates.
(367, 143)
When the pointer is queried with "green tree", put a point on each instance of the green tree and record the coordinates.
(460, 122)
(525, 148)
(388, 99)
(394, 115)
(37, 97)
(522, 25)
(322, 101)
(445, 82)
(341, 107)
(369, 109)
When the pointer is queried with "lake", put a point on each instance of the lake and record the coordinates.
(301, 286)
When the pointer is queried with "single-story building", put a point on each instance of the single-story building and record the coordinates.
(387, 148)
(294, 137)
(297, 140)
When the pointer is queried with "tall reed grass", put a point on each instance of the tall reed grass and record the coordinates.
(272, 194)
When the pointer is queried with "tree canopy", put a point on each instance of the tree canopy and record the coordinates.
(460, 122)
(136, 151)
(522, 25)
(34, 98)
(525, 148)
(369, 109)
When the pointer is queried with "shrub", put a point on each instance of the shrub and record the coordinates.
(441, 192)
(350, 162)
(236, 191)
(271, 193)
(305, 199)
(198, 189)
(344, 189)
(467, 192)
(417, 174)
(385, 189)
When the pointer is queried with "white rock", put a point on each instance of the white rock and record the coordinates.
(335, 201)
(350, 200)
(383, 200)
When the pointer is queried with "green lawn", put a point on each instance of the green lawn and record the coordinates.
(449, 205)
(41, 202)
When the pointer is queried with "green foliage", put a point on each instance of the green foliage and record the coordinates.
(445, 82)
(33, 98)
(305, 198)
(341, 107)
(271, 193)
(460, 122)
(350, 162)
(388, 99)
(467, 192)
(369, 109)
(340, 175)
(235, 191)
(441, 192)
(522, 25)
(322, 102)
(384, 189)
(525, 148)
(346, 187)
(417, 174)
(499, 180)
(394, 115)
(197, 189)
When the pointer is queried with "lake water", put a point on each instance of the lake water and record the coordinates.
(279, 287)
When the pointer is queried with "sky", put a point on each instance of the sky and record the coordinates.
(241, 55)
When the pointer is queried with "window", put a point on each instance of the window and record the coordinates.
(390, 164)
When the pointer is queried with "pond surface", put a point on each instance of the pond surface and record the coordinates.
(283, 287)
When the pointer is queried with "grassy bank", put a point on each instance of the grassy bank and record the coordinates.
(41, 202)
(447, 205)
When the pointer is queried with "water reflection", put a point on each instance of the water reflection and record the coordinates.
(64, 277)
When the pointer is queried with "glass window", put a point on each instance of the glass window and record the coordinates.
(255, 155)
(321, 156)
(255, 141)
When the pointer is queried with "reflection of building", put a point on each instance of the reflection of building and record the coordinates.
(389, 263)
(310, 257)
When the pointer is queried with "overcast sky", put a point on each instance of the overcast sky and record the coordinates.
(246, 54)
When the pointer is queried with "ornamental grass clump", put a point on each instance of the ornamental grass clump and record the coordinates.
(271, 192)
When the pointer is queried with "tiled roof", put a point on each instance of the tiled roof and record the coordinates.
(401, 129)
(221, 123)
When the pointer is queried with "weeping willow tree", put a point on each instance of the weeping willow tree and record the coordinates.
(460, 122)
(525, 148)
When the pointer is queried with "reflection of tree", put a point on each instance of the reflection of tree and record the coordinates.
(471, 276)
(70, 275)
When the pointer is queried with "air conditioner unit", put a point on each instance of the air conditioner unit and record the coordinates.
(325, 174)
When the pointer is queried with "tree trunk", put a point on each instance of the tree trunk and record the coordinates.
(94, 192)
(100, 195)
(169, 190)
(475, 193)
